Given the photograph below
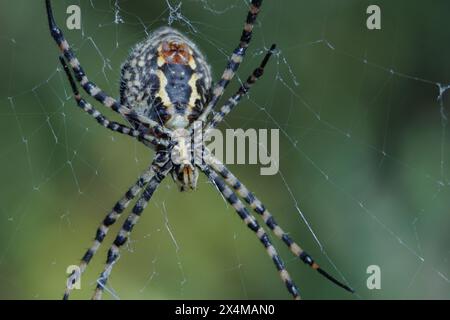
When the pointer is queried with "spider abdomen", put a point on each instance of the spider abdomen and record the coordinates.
(167, 79)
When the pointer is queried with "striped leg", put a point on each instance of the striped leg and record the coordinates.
(107, 222)
(102, 120)
(91, 88)
(243, 90)
(259, 208)
(254, 226)
(236, 58)
(127, 227)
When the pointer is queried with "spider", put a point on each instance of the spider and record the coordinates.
(166, 86)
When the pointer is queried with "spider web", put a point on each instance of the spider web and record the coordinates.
(363, 180)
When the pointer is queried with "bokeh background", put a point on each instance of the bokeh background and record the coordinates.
(365, 153)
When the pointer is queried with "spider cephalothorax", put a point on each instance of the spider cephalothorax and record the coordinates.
(184, 155)
(165, 88)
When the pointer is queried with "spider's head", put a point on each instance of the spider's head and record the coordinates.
(185, 176)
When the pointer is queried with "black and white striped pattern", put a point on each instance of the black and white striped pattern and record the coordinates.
(243, 90)
(253, 225)
(130, 222)
(269, 220)
(117, 127)
(107, 222)
(102, 120)
(236, 58)
(91, 88)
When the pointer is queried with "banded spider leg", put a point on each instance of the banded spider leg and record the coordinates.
(161, 167)
(257, 206)
(90, 87)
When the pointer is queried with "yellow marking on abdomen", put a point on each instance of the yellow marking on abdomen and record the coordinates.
(162, 93)
(194, 93)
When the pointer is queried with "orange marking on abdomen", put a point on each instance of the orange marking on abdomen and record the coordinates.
(176, 53)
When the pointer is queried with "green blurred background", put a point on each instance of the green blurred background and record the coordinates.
(365, 153)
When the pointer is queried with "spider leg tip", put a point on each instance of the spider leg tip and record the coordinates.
(332, 279)
(51, 19)
(48, 5)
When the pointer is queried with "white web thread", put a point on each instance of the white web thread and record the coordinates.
(175, 16)
(177, 248)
